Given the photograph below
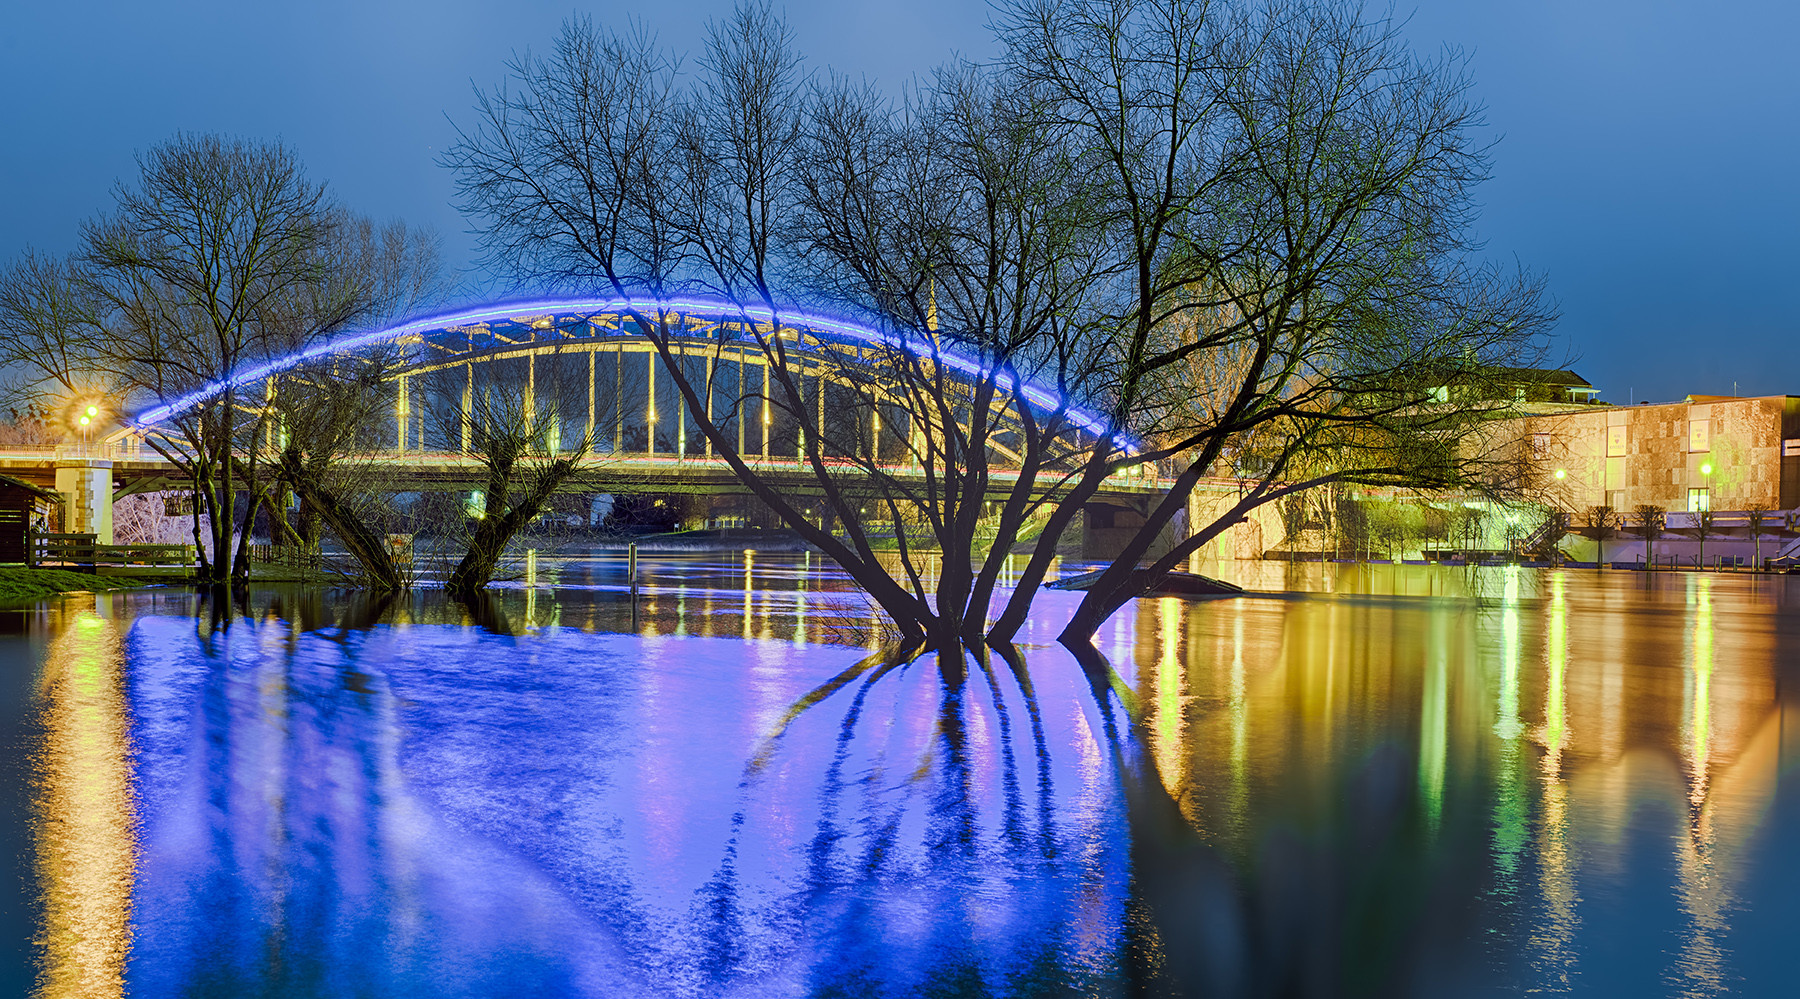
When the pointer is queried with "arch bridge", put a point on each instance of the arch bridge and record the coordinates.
(588, 370)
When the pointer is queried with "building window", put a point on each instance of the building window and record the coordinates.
(1699, 500)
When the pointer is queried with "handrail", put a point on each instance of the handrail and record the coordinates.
(83, 550)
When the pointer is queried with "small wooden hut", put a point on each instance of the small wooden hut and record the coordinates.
(24, 508)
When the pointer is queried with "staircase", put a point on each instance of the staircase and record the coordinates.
(1542, 541)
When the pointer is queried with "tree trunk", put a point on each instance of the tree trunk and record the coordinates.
(370, 552)
(204, 569)
(495, 531)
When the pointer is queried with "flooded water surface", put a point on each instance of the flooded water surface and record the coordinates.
(1377, 781)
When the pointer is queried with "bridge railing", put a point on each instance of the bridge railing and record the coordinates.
(96, 450)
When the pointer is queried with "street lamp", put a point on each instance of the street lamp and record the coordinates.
(1562, 473)
(84, 416)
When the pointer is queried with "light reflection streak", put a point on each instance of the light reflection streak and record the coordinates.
(86, 814)
(749, 591)
(1434, 724)
(1699, 687)
(1553, 937)
(1701, 885)
(1511, 810)
(800, 599)
(1240, 724)
(1168, 724)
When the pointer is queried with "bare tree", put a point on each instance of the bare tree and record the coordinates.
(30, 424)
(1702, 521)
(221, 258)
(1239, 237)
(529, 442)
(320, 444)
(47, 344)
(1603, 523)
(1651, 520)
(1289, 195)
(1759, 517)
(725, 209)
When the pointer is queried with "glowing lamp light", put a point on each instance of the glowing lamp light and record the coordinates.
(85, 420)
(92, 411)
(1562, 473)
(1706, 469)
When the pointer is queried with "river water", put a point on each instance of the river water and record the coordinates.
(1385, 780)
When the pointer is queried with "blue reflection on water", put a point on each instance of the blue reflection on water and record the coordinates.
(443, 811)
(1544, 782)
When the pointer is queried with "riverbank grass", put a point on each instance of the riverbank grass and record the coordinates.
(20, 585)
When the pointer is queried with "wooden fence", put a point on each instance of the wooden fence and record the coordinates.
(80, 551)
(291, 556)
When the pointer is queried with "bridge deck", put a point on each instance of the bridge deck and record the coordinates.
(146, 471)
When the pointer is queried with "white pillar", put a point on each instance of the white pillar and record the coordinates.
(86, 488)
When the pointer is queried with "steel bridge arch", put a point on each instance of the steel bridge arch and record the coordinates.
(564, 328)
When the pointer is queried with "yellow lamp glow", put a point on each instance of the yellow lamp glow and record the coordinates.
(1562, 473)
(1706, 469)
(93, 411)
(85, 421)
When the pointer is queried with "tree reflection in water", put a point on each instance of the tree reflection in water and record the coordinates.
(531, 796)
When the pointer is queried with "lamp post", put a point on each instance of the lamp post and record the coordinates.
(84, 419)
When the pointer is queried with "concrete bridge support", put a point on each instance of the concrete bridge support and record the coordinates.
(87, 489)
(1107, 527)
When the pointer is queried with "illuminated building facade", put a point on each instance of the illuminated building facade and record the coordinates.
(1705, 453)
(1721, 456)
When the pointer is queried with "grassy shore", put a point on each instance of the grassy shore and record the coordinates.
(21, 585)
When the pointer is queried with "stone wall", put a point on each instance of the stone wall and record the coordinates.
(1628, 456)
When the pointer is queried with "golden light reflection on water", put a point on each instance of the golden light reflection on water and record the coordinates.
(1553, 937)
(85, 813)
(1240, 724)
(1567, 702)
(1702, 882)
(1169, 720)
(1434, 724)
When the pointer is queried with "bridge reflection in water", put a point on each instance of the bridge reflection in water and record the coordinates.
(1539, 780)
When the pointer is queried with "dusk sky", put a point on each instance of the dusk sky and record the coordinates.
(1646, 158)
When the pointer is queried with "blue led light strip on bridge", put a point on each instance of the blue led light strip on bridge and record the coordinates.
(1037, 395)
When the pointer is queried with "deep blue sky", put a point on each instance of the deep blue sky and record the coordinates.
(1647, 160)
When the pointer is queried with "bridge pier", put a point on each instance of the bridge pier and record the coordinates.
(1106, 527)
(87, 491)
